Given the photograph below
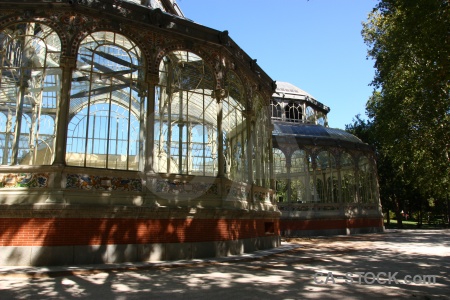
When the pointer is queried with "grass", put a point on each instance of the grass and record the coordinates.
(413, 225)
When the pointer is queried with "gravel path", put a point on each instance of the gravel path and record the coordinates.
(412, 264)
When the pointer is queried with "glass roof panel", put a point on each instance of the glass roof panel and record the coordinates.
(309, 130)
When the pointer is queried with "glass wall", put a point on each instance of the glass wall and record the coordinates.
(321, 178)
(186, 134)
(261, 147)
(107, 104)
(326, 177)
(234, 127)
(106, 121)
(280, 173)
(348, 191)
(299, 176)
(30, 88)
(367, 187)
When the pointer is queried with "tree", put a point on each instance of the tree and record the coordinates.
(410, 43)
(393, 184)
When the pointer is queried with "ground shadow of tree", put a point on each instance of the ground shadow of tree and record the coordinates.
(281, 276)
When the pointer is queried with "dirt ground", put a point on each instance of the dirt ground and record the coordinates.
(405, 264)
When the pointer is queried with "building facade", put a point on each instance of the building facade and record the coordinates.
(326, 179)
(129, 133)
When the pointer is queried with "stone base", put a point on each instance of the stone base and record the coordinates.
(99, 254)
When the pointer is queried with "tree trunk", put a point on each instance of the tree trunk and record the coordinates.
(419, 222)
(398, 213)
(448, 211)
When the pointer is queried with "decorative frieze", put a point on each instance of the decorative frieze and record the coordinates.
(180, 187)
(24, 180)
(103, 183)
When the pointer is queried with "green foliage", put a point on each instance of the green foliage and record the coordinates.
(281, 187)
(410, 111)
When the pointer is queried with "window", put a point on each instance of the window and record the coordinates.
(107, 104)
(299, 176)
(293, 112)
(320, 119)
(276, 110)
(310, 115)
(347, 178)
(234, 128)
(186, 135)
(326, 174)
(366, 181)
(30, 81)
(261, 149)
(280, 172)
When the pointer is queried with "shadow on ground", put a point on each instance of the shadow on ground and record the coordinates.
(288, 275)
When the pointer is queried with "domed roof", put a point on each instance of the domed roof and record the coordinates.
(287, 90)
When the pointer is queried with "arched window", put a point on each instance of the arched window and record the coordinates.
(276, 110)
(327, 174)
(107, 104)
(293, 112)
(30, 81)
(280, 172)
(347, 178)
(366, 181)
(279, 162)
(299, 176)
(186, 135)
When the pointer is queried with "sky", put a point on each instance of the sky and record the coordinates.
(314, 44)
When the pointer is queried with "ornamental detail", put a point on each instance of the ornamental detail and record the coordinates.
(103, 183)
(238, 192)
(261, 196)
(24, 180)
(73, 23)
(179, 187)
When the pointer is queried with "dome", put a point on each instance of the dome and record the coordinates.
(321, 174)
(295, 114)
(286, 90)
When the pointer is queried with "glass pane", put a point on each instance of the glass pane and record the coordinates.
(185, 117)
(30, 81)
(106, 104)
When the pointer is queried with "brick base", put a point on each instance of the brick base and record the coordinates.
(63, 241)
(330, 227)
(108, 231)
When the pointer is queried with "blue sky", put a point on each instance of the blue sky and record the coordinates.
(315, 45)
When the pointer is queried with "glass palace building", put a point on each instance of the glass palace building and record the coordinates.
(130, 133)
